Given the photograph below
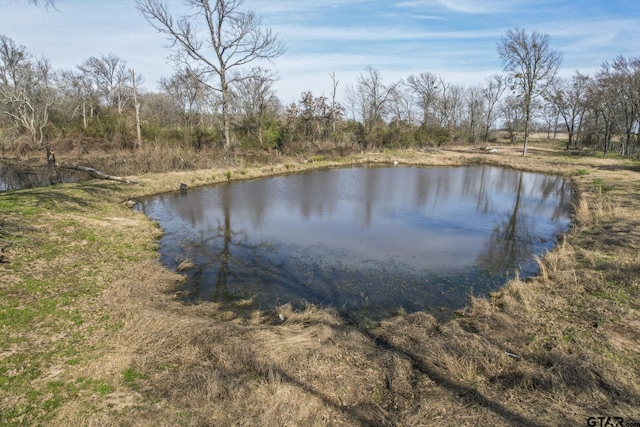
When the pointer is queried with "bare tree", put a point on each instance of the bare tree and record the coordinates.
(493, 91)
(356, 102)
(512, 111)
(334, 105)
(47, 3)
(253, 96)
(188, 96)
(623, 77)
(425, 87)
(475, 110)
(569, 99)
(26, 88)
(602, 101)
(110, 76)
(136, 105)
(530, 61)
(376, 97)
(550, 116)
(234, 38)
(80, 95)
(401, 107)
(449, 106)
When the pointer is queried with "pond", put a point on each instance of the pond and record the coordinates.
(16, 175)
(366, 240)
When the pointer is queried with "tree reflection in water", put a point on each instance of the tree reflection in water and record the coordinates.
(372, 239)
(512, 245)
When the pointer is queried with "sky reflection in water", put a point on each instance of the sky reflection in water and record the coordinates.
(368, 239)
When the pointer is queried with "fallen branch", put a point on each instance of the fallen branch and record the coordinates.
(97, 173)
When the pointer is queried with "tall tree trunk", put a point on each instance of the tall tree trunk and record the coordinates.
(136, 105)
(225, 110)
(84, 115)
(526, 131)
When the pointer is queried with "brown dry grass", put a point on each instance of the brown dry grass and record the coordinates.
(573, 330)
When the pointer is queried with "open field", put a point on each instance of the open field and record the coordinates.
(92, 334)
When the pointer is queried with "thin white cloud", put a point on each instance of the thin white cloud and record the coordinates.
(478, 7)
(430, 17)
(288, 9)
(453, 38)
(475, 7)
(368, 33)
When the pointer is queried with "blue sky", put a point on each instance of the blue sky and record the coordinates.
(453, 38)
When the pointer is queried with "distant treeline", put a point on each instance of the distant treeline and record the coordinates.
(104, 100)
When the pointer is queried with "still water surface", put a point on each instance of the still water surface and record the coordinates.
(14, 176)
(370, 239)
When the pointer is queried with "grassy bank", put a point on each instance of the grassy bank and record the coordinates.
(91, 333)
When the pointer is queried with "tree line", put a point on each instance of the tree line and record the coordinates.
(221, 96)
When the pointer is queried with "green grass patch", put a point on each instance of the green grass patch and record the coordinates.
(130, 377)
(66, 243)
(102, 387)
(600, 185)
